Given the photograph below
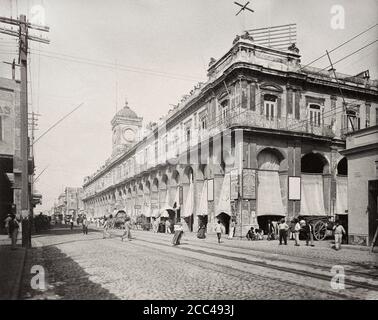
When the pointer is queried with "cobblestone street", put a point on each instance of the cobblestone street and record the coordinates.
(149, 267)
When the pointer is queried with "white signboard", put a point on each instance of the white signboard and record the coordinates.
(294, 188)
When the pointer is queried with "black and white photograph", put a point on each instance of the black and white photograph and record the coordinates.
(208, 151)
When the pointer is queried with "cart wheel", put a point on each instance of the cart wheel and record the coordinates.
(320, 230)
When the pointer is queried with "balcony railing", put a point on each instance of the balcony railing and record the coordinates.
(250, 118)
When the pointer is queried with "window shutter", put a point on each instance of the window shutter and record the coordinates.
(244, 100)
(278, 107)
(232, 90)
(252, 98)
(262, 104)
(289, 99)
(297, 110)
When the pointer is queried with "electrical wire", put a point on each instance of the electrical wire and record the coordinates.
(340, 45)
(112, 66)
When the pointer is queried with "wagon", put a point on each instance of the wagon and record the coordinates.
(321, 225)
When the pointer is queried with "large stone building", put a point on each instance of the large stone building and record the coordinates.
(10, 152)
(231, 148)
(362, 154)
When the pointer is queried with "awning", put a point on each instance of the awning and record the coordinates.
(147, 212)
(155, 213)
(202, 206)
(341, 195)
(224, 204)
(165, 206)
(188, 207)
(312, 199)
(269, 199)
(177, 199)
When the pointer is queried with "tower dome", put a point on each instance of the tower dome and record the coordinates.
(127, 112)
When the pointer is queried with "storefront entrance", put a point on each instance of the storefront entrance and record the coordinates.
(225, 220)
(6, 199)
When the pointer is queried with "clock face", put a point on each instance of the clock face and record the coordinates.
(129, 135)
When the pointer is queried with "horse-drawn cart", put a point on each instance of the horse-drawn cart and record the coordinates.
(322, 226)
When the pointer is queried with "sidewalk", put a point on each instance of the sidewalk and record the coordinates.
(11, 268)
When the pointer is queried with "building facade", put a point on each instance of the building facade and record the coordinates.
(10, 152)
(69, 204)
(362, 154)
(231, 148)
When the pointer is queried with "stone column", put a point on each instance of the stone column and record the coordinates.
(294, 169)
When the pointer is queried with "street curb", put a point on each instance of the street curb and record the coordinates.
(17, 287)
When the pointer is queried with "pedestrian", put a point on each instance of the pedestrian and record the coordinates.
(72, 223)
(232, 229)
(270, 230)
(179, 230)
(338, 230)
(251, 234)
(201, 234)
(13, 230)
(283, 228)
(106, 227)
(307, 228)
(167, 227)
(127, 233)
(218, 230)
(85, 223)
(297, 229)
(6, 224)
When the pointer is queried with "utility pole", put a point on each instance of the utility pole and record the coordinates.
(24, 37)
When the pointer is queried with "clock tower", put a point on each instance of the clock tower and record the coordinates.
(126, 127)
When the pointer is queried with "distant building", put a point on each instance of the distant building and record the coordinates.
(70, 203)
(233, 148)
(362, 154)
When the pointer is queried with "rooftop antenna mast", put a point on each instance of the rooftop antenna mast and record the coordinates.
(243, 9)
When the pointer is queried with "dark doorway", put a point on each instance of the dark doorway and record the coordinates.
(224, 218)
(343, 219)
(263, 222)
(189, 222)
(313, 163)
(372, 208)
(6, 199)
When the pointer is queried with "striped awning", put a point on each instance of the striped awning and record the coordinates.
(188, 208)
(224, 204)
(202, 206)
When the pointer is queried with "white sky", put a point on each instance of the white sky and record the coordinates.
(169, 36)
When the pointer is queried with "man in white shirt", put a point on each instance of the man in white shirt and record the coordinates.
(338, 231)
(218, 230)
(297, 228)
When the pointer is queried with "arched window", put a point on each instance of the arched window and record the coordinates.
(314, 115)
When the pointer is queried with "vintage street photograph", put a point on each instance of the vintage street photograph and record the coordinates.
(188, 150)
